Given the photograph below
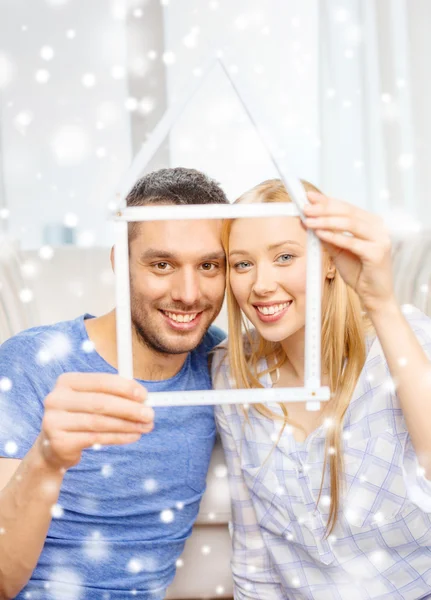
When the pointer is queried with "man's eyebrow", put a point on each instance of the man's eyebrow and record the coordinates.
(271, 247)
(154, 253)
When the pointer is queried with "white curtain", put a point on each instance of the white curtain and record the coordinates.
(375, 94)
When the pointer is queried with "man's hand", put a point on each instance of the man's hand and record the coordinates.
(91, 408)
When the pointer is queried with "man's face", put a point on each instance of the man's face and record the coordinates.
(177, 282)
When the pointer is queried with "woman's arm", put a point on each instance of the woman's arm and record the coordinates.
(363, 259)
(410, 368)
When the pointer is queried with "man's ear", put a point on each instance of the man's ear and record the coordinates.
(112, 257)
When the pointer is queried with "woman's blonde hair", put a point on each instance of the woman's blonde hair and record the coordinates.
(343, 347)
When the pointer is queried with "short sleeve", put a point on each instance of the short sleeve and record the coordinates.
(23, 386)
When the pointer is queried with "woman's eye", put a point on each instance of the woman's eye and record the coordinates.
(284, 258)
(242, 265)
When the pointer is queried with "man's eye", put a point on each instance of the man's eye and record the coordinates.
(162, 266)
(208, 266)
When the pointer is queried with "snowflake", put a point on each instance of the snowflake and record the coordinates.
(88, 80)
(135, 565)
(405, 161)
(206, 550)
(70, 220)
(219, 590)
(167, 516)
(5, 384)
(65, 584)
(179, 563)
(57, 346)
(71, 34)
(47, 53)
(169, 58)
(325, 501)
(95, 547)
(26, 295)
(42, 76)
(87, 346)
(150, 486)
(11, 448)
(106, 470)
(57, 511)
(70, 145)
(131, 104)
(220, 471)
(118, 72)
(179, 505)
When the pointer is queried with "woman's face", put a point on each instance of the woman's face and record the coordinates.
(267, 259)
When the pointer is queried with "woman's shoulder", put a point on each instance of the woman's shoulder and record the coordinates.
(220, 367)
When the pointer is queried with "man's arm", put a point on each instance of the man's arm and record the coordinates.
(83, 409)
(29, 490)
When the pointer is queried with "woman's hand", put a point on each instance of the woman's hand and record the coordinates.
(363, 257)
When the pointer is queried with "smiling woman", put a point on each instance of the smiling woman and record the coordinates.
(297, 524)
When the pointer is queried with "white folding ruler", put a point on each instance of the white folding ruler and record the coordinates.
(312, 392)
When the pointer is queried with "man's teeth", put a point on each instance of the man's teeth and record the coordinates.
(181, 318)
(274, 309)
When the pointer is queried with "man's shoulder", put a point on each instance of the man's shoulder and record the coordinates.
(213, 337)
(35, 338)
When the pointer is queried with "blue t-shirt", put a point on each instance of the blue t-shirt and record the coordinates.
(124, 512)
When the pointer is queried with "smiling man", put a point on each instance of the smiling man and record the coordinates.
(91, 508)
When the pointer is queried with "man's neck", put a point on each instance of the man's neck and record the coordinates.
(147, 363)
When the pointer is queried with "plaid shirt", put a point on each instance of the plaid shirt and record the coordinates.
(381, 545)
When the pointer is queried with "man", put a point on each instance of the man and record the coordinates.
(90, 507)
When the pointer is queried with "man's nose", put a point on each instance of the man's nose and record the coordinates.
(186, 288)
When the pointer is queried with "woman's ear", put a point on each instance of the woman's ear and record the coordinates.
(330, 272)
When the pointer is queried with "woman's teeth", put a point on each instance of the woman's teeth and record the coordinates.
(274, 309)
(181, 318)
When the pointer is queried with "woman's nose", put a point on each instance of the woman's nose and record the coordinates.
(264, 283)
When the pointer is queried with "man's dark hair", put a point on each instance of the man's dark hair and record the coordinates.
(174, 186)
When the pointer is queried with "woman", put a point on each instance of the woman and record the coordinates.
(334, 503)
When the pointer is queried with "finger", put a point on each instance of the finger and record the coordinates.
(339, 240)
(324, 205)
(99, 404)
(85, 422)
(358, 228)
(107, 383)
(89, 439)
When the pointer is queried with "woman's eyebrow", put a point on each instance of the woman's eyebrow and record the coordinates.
(271, 247)
(285, 242)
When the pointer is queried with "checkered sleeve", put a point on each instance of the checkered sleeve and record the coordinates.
(417, 485)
